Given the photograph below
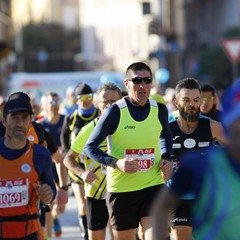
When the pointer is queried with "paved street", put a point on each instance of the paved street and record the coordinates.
(69, 222)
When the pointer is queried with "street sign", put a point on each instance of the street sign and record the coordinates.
(232, 48)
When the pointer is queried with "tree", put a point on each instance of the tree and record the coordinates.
(50, 37)
(214, 64)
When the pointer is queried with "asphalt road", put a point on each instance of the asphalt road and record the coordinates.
(69, 222)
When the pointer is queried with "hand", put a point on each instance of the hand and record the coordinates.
(167, 169)
(127, 165)
(89, 176)
(62, 197)
(44, 192)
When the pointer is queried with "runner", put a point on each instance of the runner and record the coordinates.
(73, 123)
(212, 180)
(29, 177)
(52, 123)
(190, 132)
(138, 167)
(94, 176)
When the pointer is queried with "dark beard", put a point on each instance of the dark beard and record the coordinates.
(189, 116)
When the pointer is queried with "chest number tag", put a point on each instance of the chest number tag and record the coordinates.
(13, 193)
(144, 156)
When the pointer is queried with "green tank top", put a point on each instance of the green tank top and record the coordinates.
(136, 139)
(218, 204)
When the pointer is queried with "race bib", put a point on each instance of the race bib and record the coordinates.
(144, 156)
(13, 193)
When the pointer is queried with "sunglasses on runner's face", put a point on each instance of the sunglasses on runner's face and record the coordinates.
(55, 102)
(85, 97)
(207, 99)
(138, 80)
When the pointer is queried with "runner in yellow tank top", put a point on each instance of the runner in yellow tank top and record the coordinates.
(137, 164)
(94, 176)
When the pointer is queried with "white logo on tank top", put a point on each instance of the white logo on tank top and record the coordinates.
(26, 168)
(189, 143)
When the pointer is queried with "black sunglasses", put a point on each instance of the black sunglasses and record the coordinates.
(138, 80)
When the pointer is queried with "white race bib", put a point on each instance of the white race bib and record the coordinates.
(13, 193)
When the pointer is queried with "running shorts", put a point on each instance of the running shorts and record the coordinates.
(127, 209)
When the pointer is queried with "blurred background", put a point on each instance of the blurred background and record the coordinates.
(98, 39)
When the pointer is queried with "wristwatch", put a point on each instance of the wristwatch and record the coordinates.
(65, 187)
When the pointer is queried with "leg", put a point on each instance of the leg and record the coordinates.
(97, 218)
(147, 214)
(56, 210)
(97, 235)
(79, 193)
(181, 228)
(181, 232)
(123, 214)
(125, 235)
(147, 228)
(49, 224)
(109, 227)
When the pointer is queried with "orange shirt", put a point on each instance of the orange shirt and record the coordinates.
(18, 196)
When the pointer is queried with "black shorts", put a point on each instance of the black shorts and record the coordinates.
(181, 214)
(127, 209)
(97, 214)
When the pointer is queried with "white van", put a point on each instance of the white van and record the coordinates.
(41, 83)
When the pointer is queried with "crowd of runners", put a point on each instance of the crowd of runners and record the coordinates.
(143, 165)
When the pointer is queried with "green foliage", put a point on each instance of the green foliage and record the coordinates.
(49, 37)
(214, 65)
(232, 32)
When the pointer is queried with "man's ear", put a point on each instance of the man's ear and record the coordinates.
(125, 81)
(175, 102)
(4, 121)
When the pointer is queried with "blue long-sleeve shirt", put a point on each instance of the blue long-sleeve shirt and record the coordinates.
(108, 124)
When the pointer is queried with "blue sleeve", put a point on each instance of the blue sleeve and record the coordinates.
(43, 165)
(188, 178)
(106, 125)
(166, 139)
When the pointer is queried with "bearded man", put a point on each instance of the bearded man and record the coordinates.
(190, 131)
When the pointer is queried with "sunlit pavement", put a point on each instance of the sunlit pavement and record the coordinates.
(69, 222)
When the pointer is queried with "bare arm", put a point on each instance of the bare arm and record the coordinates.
(71, 164)
(62, 196)
(61, 169)
(88, 176)
(218, 132)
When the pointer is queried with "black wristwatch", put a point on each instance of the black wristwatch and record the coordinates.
(65, 187)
